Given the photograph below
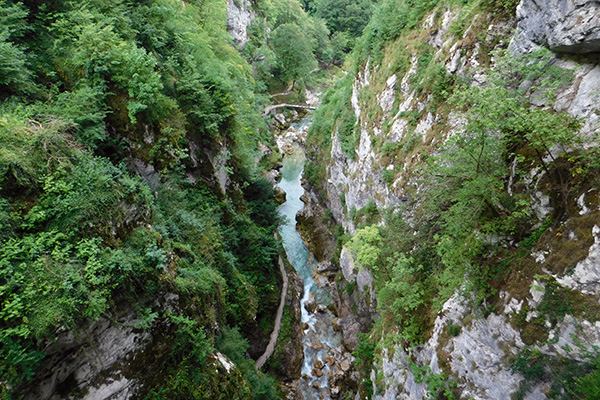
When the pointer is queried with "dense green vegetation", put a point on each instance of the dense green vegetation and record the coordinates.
(90, 93)
(344, 17)
(286, 44)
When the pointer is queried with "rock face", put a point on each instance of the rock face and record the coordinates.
(564, 26)
(312, 225)
(94, 364)
(476, 355)
(586, 275)
(356, 308)
(473, 348)
(239, 16)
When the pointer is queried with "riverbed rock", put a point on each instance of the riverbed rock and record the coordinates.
(326, 267)
(345, 365)
(334, 392)
(280, 195)
(280, 120)
(318, 364)
(321, 308)
(317, 372)
(317, 345)
(313, 225)
(311, 304)
(336, 324)
(273, 175)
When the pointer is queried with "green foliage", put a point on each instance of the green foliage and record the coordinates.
(334, 114)
(190, 342)
(390, 19)
(368, 215)
(367, 244)
(15, 77)
(568, 378)
(294, 54)
(507, 6)
(453, 329)
(90, 92)
(556, 303)
(344, 15)
(234, 346)
(437, 384)
(400, 297)
(388, 176)
(193, 372)
(87, 200)
(285, 44)
(364, 354)
(468, 178)
(589, 385)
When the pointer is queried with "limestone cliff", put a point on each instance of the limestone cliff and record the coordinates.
(470, 348)
(239, 16)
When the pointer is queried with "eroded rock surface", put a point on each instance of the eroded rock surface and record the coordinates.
(239, 16)
(564, 26)
(75, 363)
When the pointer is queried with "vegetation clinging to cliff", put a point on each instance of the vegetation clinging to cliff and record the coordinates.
(90, 92)
(473, 225)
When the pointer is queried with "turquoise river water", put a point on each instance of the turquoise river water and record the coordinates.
(319, 337)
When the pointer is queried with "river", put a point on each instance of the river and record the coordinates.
(319, 340)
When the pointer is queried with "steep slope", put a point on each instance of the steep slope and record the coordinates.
(459, 156)
(137, 248)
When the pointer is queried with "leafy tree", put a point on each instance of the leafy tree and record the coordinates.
(401, 297)
(367, 244)
(346, 16)
(295, 58)
(14, 72)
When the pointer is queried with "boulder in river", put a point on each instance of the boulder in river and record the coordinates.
(317, 345)
(311, 303)
(345, 365)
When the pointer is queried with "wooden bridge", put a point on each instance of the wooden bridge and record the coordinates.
(272, 107)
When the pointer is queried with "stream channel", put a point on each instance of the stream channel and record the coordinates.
(319, 340)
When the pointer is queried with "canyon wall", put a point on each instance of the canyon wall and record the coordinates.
(472, 348)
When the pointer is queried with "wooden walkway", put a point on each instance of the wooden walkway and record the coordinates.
(275, 334)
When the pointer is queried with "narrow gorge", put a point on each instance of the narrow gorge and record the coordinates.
(300, 199)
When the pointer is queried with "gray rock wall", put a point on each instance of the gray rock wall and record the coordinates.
(478, 357)
(239, 16)
(564, 26)
(92, 363)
